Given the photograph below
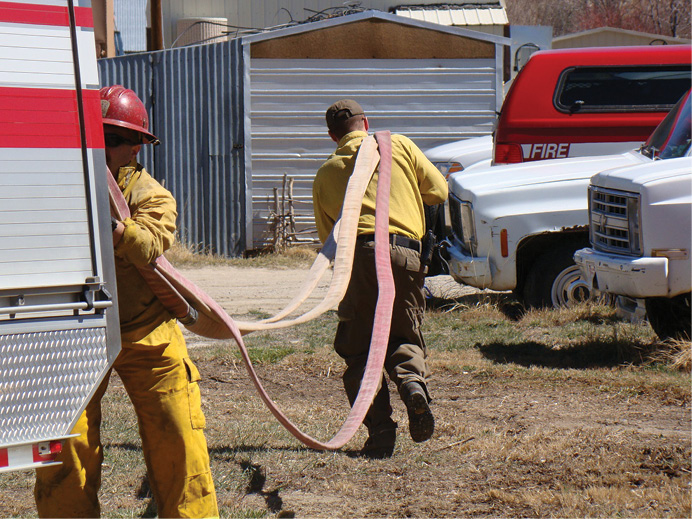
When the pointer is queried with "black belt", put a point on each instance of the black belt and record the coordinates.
(395, 239)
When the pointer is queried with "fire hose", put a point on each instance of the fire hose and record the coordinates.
(200, 314)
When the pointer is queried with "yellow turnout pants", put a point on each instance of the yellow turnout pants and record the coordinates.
(162, 384)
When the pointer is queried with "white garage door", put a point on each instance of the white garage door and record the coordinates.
(431, 101)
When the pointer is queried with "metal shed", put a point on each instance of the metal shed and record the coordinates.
(244, 15)
(436, 84)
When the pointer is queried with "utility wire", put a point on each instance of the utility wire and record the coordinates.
(237, 30)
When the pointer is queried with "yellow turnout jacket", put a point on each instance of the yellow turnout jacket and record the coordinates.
(415, 181)
(148, 233)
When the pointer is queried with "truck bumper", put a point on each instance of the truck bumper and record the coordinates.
(622, 275)
(467, 269)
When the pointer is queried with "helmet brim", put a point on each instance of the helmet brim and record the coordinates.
(150, 138)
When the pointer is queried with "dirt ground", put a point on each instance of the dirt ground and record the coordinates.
(555, 436)
(243, 290)
(511, 441)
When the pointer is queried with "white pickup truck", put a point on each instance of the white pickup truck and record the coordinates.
(517, 227)
(641, 235)
(460, 155)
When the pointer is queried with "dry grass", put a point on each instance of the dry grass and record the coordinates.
(675, 354)
(181, 255)
(568, 413)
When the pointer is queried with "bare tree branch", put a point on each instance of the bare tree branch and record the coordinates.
(665, 17)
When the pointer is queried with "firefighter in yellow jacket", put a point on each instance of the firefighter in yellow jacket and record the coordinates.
(415, 182)
(160, 378)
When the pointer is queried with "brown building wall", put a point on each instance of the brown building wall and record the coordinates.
(373, 39)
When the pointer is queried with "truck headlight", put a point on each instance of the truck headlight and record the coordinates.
(447, 168)
(468, 226)
(634, 226)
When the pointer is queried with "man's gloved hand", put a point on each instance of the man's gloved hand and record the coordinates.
(118, 229)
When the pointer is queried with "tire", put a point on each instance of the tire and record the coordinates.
(670, 317)
(554, 280)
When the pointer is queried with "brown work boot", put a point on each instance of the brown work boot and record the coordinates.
(421, 422)
(380, 442)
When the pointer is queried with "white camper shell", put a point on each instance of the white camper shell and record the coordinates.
(59, 329)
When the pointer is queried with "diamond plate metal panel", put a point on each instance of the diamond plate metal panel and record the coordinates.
(46, 379)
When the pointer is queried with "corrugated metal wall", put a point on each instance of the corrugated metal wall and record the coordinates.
(194, 97)
(130, 22)
(431, 101)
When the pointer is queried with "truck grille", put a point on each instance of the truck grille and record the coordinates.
(455, 216)
(614, 221)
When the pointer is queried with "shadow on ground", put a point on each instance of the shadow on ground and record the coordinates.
(597, 354)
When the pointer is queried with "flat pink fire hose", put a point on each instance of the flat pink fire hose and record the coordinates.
(198, 312)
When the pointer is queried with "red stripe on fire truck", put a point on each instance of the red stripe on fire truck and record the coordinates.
(47, 118)
(38, 14)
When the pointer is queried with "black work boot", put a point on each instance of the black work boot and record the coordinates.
(421, 422)
(381, 441)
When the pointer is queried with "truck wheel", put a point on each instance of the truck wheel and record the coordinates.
(554, 280)
(670, 317)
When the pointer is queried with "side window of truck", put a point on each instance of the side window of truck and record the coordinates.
(621, 89)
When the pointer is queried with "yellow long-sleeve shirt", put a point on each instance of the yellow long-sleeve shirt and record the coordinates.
(148, 233)
(415, 181)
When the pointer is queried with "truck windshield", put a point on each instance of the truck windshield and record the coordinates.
(672, 137)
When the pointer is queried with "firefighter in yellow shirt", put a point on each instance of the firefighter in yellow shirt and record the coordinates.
(160, 378)
(415, 182)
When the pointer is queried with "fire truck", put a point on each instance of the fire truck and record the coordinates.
(59, 329)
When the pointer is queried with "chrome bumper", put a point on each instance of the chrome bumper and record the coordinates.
(623, 275)
(467, 269)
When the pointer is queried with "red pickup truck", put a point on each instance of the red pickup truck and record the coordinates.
(593, 101)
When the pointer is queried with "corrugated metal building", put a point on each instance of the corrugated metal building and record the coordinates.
(236, 117)
(194, 99)
(489, 16)
(130, 25)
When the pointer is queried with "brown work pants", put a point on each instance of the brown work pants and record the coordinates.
(406, 353)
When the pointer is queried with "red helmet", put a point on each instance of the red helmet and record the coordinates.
(120, 106)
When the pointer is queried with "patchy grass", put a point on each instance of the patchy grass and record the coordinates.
(568, 413)
(673, 354)
(181, 255)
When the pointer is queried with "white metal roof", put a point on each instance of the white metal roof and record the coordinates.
(457, 16)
